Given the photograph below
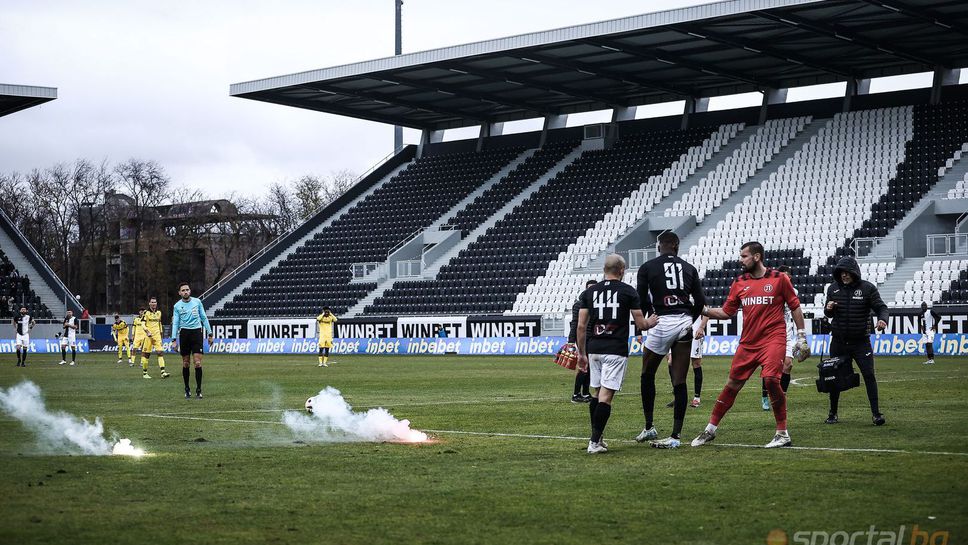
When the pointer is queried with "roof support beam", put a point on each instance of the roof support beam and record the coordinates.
(591, 69)
(847, 36)
(920, 13)
(458, 90)
(397, 101)
(672, 58)
(504, 77)
(761, 49)
(331, 108)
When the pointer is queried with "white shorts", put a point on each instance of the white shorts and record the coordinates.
(927, 338)
(671, 328)
(23, 340)
(607, 370)
(68, 340)
(791, 342)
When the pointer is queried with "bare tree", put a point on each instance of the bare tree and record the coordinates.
(282, 203)
(339, 182)
(308, 191)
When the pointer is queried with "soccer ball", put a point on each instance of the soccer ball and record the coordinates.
(309, 405)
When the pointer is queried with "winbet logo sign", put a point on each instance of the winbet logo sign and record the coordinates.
(872, 536)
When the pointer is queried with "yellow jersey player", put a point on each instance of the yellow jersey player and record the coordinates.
(325, 322)
(151, 324)
(120, 333)
(139, 334)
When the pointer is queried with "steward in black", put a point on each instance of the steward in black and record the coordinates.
(850, 302)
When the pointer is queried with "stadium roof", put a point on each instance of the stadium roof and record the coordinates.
(709, 50)
(14, 98)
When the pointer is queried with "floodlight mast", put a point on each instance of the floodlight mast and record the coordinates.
(398, 49)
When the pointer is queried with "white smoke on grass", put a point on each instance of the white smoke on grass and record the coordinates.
(333, 420)
(59, 432)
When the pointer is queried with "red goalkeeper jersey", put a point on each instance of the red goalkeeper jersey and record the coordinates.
(763, 300)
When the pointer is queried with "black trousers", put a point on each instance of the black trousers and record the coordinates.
(857, 351)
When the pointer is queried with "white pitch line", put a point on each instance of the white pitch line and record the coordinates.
(729, 445)
(571, 438)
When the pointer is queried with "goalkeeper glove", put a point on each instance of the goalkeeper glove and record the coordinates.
(801, 350)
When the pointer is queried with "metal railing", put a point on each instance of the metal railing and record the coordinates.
(409, 238)
(878, 247)
(947, 244)
(282, 236)
(43, 270)
(639, 256)
(410, 268)
(361, 270)
(961, 219)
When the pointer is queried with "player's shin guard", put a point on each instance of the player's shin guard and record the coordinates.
(777, 402)
(697, 379)
(198, 379)
(679, 404)
(18, 356)
(723, 403)
(161, 362)
(73, 353)
(120, 350)
(930, 349)
(63, 353)
(326, 355)
(785, 381)
(648, 396)
(599, 420)
(144, 364)
(185, 375)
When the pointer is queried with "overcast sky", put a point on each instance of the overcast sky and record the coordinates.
(150, 79)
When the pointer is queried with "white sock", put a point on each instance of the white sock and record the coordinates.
(711, 428)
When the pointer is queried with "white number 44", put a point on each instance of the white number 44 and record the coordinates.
(606, 299)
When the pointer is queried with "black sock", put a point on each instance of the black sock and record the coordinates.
(697, 379)
(23, 359)
(599, 420)
(591, 411)
(648, 397)
(871, 384)
(18, 357)
(585, 383)
(578, 381)
(785, 381)
(185, 374)
(930, 348)
(679, 412)
(73, 353)
(834, 401)
(198, 379)
(764, 393)
(63, 353)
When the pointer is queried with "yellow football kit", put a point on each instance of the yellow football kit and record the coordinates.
(120, 330)
(325, 324)
(139, 332)
(152, 326)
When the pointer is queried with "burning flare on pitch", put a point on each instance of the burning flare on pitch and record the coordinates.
(60, 432)
(331, 420)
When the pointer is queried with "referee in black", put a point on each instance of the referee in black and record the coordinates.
(580, 394)
(851, 301)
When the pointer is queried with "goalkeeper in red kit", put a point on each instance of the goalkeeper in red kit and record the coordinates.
(762, 293)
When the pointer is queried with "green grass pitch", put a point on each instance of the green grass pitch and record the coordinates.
(224, 470)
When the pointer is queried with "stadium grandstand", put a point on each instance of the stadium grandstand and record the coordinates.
(25, 278)
(515, 223)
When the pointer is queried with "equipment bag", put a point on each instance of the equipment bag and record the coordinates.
(836, 375)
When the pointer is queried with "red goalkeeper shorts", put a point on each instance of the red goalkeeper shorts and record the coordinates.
(770, 357)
